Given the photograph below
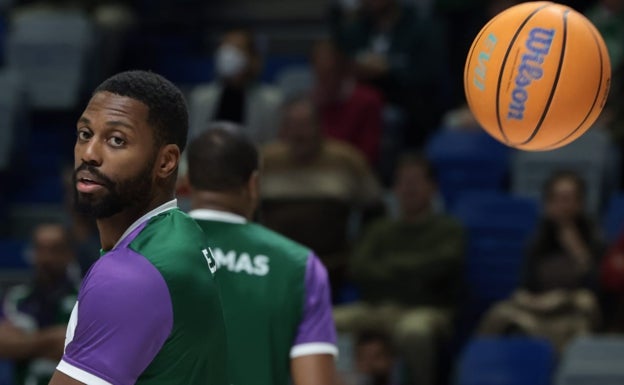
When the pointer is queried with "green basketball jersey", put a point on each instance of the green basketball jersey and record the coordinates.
(275, 295)
(149, 311)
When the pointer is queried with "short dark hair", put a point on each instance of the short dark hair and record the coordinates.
(418, 159)
(168, 114)
(221, 159)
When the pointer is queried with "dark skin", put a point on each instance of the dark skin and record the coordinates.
(315, 369)
(114, 136)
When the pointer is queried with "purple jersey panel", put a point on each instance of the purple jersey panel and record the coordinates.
(317, 324)
(124, 317)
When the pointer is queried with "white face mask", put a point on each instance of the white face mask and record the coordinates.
(229, 61)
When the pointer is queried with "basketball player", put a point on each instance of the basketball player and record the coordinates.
(148, 311)
(275, 292)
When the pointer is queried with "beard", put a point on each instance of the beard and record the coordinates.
(131, 193)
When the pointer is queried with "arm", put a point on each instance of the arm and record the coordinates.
(317, 369)
(16, 344)
(313, 352)
(119, 323)
(60, 378)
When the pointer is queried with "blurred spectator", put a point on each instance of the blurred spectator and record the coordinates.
(32, 332)
(403, 53)
(349, 111)
(375, 359)
(608, 17)
(612, 280)
(558, 294)
(409, 273)
(312, 186)
(237, 96)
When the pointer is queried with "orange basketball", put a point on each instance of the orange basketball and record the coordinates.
(537, 76)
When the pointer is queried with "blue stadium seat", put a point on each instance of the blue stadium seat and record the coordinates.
(613, 219)
(506, 361)
(498, 227)
(467, 161)
(6, 373)
(592, 360)
(12, 254)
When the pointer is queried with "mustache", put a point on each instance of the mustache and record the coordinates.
(106, 181)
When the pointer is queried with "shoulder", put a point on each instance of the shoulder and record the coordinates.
(276, 241)
(274, 151)
(171, 231)
(122, 272)
(380, 227)
(345, 152)
(447, 221)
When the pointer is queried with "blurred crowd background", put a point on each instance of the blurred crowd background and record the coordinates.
(453, 259)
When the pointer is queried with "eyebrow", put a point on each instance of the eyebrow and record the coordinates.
(112, 123)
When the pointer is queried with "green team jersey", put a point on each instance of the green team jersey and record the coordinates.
(149, 311)
(275, 295)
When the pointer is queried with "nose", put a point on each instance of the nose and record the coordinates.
(89, 152)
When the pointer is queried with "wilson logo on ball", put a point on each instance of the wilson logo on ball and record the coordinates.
(530, 69)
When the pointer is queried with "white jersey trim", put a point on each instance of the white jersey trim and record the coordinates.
(215, 215)
(172, 204)
(313, 348)
(80, 375)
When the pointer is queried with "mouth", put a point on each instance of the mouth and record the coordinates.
(88, 185)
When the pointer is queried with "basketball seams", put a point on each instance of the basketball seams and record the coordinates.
(555, 82)
(504, 62)
(596, 96)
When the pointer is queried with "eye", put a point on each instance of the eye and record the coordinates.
(84, 135)
(116, 141)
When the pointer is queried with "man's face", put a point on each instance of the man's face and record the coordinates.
(114, 156)
(413, 188)
(300, 130)
(51, 251)
(374, 360)
(564, 202)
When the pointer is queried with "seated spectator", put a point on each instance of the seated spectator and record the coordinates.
(389, 41)
(349, 111)
(237, 96)
(612, 282)
(312, 186)
(409, 273)
(557, 298)
(35, 315)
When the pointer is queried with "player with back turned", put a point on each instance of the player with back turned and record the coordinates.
(275, 292)
(148, 311)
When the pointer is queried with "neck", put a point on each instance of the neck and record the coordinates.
(221, 201)
(112, 228)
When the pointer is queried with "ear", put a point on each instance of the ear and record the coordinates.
(253, 186)
(168, 159)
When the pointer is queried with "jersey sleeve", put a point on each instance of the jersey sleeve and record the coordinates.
(122, 318)
(316, 333)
